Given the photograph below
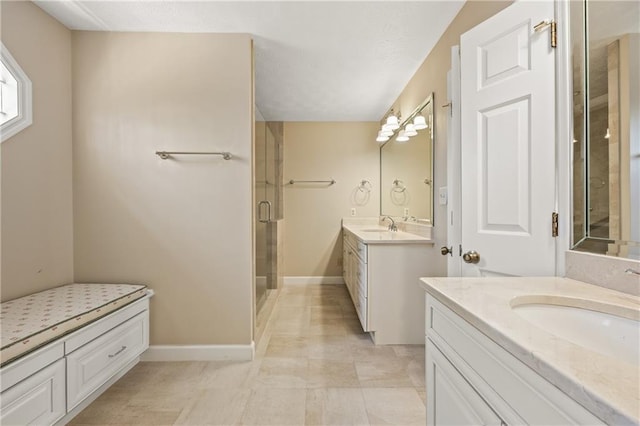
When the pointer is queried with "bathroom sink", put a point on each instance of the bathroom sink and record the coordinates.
(379, 230)
(610, 330)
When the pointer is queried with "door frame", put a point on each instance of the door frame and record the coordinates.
(454, 159)
(563, 132)
(564, 135)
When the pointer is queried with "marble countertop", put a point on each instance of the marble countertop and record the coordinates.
(376, 234)
(606, 386)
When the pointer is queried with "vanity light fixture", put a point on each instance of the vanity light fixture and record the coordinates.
(410, 130)
(419, 122)
(387, 133)
(607, 135)
(402, 136)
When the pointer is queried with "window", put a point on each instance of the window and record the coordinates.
(15, 96)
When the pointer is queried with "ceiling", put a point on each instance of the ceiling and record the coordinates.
(314, 60)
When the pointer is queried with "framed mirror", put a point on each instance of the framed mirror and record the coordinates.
(406, 168)
(606, 117)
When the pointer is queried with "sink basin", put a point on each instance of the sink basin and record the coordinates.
(607, 329)
(379, 230)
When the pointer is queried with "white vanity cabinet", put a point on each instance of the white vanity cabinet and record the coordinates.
(471, 380)
(355, 276)
(381, 276)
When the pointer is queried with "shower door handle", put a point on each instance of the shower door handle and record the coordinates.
(268, 204)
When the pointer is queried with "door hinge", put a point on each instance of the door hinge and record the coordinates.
(554, 224)
(553, 30)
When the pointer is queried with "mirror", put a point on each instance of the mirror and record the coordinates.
(606, 118)
(406, 170)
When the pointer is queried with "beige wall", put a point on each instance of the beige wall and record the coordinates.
(432, 77)
(37, 220)
(344, 151)
(183, 226)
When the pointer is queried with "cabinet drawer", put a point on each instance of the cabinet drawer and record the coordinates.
(361, 249)
(25, 366)
(101, 326)
(350, 239)
(37, 400)
(96, 362)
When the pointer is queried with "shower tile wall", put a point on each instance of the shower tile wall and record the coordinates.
(599, 173)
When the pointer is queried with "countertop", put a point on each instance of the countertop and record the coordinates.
(606, 386)
(376, 234)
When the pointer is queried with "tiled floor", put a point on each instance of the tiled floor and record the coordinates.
(314, 366)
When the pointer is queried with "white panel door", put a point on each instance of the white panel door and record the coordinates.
(508, 143)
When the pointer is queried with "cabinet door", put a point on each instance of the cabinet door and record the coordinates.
(348, 267)
(451, 400)
(37, 400)
(344, 261)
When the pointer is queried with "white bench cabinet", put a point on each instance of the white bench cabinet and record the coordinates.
(54, 383)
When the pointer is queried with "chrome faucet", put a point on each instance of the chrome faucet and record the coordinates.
(392, 225)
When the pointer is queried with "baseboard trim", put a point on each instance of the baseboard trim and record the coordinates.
(312, 280)
(199, 353)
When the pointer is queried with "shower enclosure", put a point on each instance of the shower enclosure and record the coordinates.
(268, 206)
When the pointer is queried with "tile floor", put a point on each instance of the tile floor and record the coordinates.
(313, 366)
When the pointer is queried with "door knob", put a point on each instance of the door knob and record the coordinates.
(471, 256)
(446, 250)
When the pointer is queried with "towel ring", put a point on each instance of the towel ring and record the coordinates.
(364, 185)
(398, 186)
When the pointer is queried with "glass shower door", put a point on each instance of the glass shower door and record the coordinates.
(262, 214)
(268, 202)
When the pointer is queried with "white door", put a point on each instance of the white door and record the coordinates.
(508, 143)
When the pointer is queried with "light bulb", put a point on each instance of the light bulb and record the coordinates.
(419, 122)
(391, 123)
(402, 137)
(410, 130)
(381, 137)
